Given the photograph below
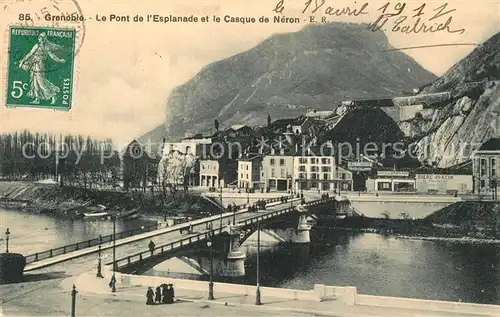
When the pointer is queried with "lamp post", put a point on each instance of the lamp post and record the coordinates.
(99, 265)
(222, 205)
(257, 292)
(248, 197)
(7, 234)
(113, 287)
(211, 283)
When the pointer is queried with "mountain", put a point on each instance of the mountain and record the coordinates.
(447, 132)
(286, 74)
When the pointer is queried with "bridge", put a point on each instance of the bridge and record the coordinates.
(292, 228)
(131, 244)
(64, 253)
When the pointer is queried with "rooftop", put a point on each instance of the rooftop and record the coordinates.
(492, 144)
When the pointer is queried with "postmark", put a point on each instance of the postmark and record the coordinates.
(32, 79)
(49, 13)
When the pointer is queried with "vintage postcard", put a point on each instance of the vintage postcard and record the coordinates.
(249, 158)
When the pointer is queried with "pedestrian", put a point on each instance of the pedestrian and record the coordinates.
(151, 247)
(112, 282)
(158, 295)
(171, 294)
(149, 296)
(164, 292)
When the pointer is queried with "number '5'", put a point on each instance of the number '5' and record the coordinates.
(18, 88)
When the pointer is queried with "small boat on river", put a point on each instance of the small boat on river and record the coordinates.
(95, 214)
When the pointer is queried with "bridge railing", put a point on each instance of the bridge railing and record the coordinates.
(168, 247)
(282, 211)
(108, 238)
(87, 244)
(175, 245)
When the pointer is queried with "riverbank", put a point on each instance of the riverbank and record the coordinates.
(467, 221)
(70, 201)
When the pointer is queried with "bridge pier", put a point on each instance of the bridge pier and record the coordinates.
(300, 234)
(235, 266)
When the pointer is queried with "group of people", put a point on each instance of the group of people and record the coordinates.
(164, 295)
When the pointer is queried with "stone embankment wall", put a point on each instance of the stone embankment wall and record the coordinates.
(347, 294)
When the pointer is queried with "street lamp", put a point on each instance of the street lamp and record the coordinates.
(222, 206)
(7, 234)
(113, 279)
(257, 293)
(99, 274)
(211, 283)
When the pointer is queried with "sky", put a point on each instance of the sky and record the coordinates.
(125, 71)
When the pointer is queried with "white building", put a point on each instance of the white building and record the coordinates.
(249, 171)
(194, 146)
(277, 172)
(391, 181)
(320, 173)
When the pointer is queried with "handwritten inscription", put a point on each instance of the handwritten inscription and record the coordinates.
(398, 17)
(320, 6)
(438, 19)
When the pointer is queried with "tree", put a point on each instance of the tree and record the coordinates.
(386, 216)
(216, 125)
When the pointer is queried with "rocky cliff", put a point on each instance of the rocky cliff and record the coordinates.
(315, 67)
(447, 132)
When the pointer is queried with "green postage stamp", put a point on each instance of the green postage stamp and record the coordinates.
(40, 67)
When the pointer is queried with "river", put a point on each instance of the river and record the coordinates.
(31, 233)
(375, 264)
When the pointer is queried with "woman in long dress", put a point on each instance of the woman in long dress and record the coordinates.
(34, 62)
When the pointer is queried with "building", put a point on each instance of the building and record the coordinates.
(277, 172)
(139, 165)
(485, 164)
(249, 171)
(432, 181)
(391, 181)
(315, 173)
(443, 183)
(197, 146)
(239, 130)
(218, 172)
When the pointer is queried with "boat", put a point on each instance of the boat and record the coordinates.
(129, 214)
(95, 214)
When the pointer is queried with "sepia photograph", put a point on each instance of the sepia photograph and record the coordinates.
(250, 158)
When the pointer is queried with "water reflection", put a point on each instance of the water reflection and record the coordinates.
(32, 233)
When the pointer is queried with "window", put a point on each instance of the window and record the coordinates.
(314, 176)
(483, 167)
(314, 169)
(493, 167)
(302, 175)
(282, 162)
(272, 162)
(325, 169)
(303, 160)
(314, 160)
(325, 176)
(202, 166)
(241, 175)
(246, 167)
(282, 173)
(483, 183)
(302, 168)
(325, 161)
(247, 176)
(273, 173)
(343, 175)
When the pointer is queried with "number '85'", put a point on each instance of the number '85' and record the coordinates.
(18, 88)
